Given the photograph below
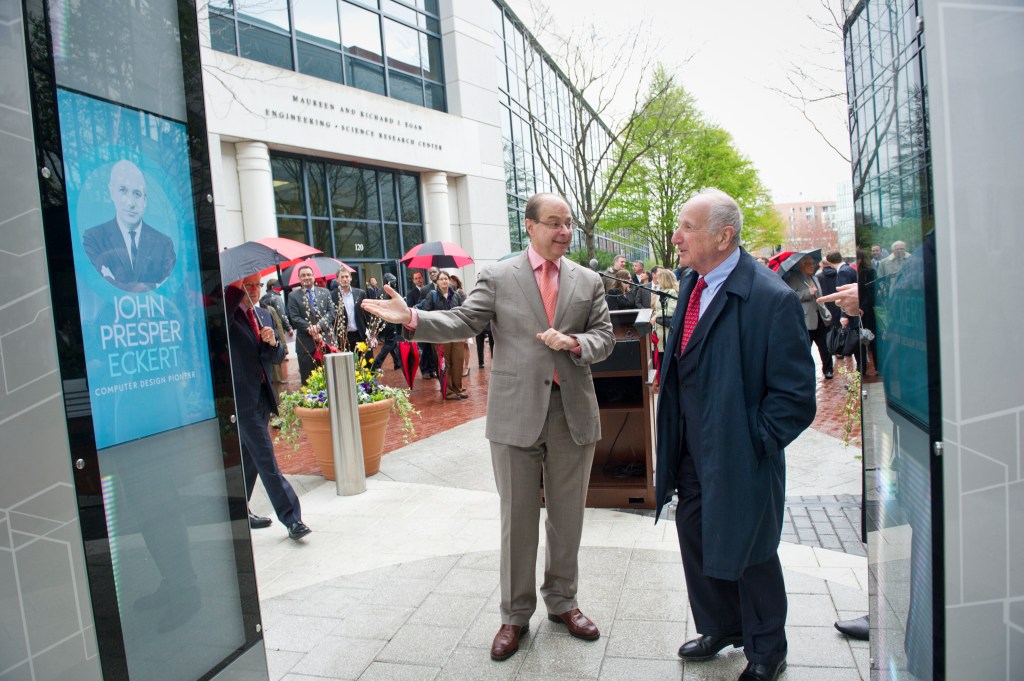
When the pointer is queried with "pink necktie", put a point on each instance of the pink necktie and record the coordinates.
(548, 289)
(549, 294)
(692, 313)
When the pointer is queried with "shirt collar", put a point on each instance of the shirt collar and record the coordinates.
(536, 259)
(716, 277)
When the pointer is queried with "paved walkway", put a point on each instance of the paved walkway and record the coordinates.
(400, 582)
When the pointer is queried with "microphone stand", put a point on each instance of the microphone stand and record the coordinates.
(663, 295)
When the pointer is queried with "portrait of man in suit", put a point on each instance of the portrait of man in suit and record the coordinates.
(550, 323)
(126, 251)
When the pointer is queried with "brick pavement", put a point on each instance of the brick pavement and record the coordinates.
(830, 522)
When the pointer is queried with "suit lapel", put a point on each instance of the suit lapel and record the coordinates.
(523, 274)
(566, 288)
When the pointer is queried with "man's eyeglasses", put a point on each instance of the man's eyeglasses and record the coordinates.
(569, 224)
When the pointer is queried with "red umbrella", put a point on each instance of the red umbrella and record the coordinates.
(410, 354)
(260, 257)
(289, 248)
(320, 265)
(436, 254)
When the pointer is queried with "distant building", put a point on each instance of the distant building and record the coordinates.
(809, 224)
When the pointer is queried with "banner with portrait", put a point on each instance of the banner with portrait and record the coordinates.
(133, 239)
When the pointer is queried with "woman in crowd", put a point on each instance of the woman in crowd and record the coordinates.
(664, 308)
(445, 298)
(619, 295)
(457, 285)
(802, 280)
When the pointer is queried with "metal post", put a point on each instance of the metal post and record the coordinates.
(349, 473)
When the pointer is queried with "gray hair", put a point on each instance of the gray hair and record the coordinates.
(723, 211)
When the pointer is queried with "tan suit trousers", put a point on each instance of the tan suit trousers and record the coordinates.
(564, 466)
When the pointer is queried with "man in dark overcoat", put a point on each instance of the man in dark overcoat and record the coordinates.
(737, 387)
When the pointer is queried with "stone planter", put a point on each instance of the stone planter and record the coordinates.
(317, 425)
(373, 426)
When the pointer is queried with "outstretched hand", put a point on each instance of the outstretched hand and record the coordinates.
(846, 298)
(391, 309)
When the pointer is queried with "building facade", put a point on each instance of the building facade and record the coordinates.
(936, 165)
(364, 128)
(809, 224)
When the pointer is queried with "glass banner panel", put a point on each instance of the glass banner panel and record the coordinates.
(133, 236)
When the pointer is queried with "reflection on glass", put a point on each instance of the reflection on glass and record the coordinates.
(406, 88)
(172, 552)
(359, 74)
(292, 228)
(322, 236)
(392, 241)
(361, 33)
(343, 183)
(387, 197)
(392, 8)
(264, 12)
(403, 47)
(287, 174)
(317, 179)
(222, 34)
(317, 19)
(409, 195)
(318, 62)
(411, 235)
(431, 51)
(266, 46)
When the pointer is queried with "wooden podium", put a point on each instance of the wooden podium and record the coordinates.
(623, 471)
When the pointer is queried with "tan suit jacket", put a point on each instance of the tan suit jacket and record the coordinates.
(506, 295)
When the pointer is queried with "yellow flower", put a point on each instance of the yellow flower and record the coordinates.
(361, 347)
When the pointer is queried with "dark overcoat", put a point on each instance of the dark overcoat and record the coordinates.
(755, 384)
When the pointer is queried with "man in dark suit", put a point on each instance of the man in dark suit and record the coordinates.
(372, 290)
(254, 348)
(311, 313)
(737, 387)
(129, 253)
(351, 318)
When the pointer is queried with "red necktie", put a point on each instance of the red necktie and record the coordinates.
(549, 293)
(252, 322)
(692, 313)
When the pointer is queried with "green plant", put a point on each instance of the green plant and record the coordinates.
(313, 395)
(851, 405)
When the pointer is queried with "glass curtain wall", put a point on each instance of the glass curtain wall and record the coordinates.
(893, 208)
(353, 213)
(390, 47)
(533, 92)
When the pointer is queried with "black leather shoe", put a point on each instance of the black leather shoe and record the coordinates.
(756, 671)
(706, 647)
(855, 628)
(258, 522)
(829, 375)
(298, 530)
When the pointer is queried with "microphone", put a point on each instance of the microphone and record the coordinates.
(594, 264)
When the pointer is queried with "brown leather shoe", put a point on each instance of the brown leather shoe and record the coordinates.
(506, 641)
(579, 625)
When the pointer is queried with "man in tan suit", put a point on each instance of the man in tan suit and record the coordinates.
(550, 323)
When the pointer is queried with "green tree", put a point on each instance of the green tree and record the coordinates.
(684, 157)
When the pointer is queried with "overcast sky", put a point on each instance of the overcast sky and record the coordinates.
(739, 49)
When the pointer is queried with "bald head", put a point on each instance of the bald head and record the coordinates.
(128, 193)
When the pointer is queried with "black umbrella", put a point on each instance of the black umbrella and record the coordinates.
(254, 257)
(788, 262)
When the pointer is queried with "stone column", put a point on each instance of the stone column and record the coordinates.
(256, 190)
(437, 221)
